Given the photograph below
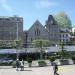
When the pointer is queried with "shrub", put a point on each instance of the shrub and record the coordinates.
(14, 64)
(52, 58)
(42, 63)
(57, 57)
(73, 58)
(29, 60)
(5, 64)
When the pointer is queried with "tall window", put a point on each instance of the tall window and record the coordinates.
(66, 35)
(60, 35)
(31, 39)
(37, 32)
(63, 35)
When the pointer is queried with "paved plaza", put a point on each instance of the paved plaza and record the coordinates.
(63, 70)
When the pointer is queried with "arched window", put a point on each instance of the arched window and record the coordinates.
(37, 32)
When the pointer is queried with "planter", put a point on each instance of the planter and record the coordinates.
(64, 62)
(73, 61)
(30, 64)
(42, 63)
(29, 61)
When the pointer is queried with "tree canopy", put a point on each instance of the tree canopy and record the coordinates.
(63, 20)
(40, 43)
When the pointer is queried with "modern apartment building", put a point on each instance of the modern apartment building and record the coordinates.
(11, 28)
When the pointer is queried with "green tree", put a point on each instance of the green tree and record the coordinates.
(63, 53)
(40, 43)
(1, 44)
(63, 20)
(18, 44)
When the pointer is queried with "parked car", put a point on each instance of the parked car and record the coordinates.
(62, 61)
(6, 60)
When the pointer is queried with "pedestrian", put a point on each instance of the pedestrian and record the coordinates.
(55, 69)
(17, 64)
(23, 61)
(22, 65)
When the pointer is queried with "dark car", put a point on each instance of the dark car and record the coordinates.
(6, 60)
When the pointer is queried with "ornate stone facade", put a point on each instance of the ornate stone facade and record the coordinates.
(37, 31)
(51, 31)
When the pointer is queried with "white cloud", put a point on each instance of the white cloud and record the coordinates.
(5, 6)
(45, 4)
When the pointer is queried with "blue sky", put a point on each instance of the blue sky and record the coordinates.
(31, 10)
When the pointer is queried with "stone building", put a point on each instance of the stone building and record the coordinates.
(37, 31)
(51, 31)
(64, 36)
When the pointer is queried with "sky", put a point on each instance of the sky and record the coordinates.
(31, 10)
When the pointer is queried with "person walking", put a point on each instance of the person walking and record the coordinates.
(55, 69)
(17, 64)
(22, 65)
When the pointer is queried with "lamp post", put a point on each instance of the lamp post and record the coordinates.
(17, 37)
(46, 51)
(17, 30)
(56, 49)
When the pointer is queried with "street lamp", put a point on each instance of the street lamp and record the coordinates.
(17, 37)
(46, 51)
(17, 29)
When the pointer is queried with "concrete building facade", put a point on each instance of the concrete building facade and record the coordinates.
(11, 28)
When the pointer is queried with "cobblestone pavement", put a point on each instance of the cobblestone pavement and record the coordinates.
(63, 70)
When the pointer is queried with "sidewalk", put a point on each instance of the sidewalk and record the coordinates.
(62, 70)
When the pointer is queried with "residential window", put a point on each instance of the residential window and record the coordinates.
(31, 39)
(60, 35)
(60, 40)
(35, 32)
(63, 35)
(1, 19)
(63, 40)
(39, 33)
(66, 40)
(7, 19)
(66, 35)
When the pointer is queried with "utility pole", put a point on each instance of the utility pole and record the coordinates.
(17, 29)
(17, 37)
